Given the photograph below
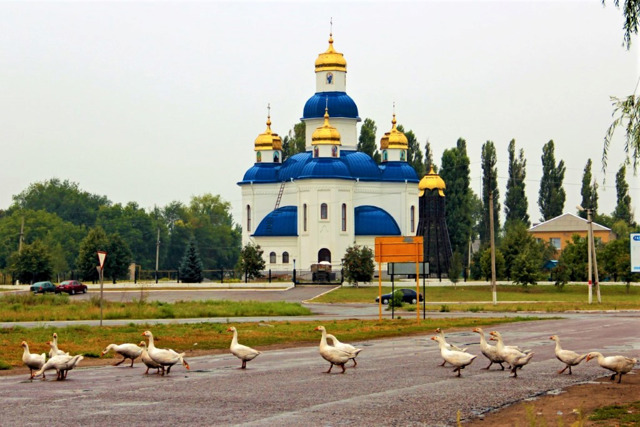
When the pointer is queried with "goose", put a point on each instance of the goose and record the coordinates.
(489, 351)
(61, 363)
(345, 347)
(333, 355)
(448, 345)
(457, 358)
(165, 357)
(515, 358)
(33, 361)
(620, 365)
(568, 357)
(55, 351)
(240, 351)
(148, 361)
(127, 351)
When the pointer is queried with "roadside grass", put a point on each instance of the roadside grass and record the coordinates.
(42, 308)
(91, 340)
(467, 298)
(618, 415)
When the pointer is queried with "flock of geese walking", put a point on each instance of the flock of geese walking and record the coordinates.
(337, 354)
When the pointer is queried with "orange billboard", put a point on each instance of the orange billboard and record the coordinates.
(399, 249)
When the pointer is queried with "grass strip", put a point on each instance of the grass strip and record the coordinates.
(91, 340)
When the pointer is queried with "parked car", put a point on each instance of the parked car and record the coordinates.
(408, 295)
(71, 287)
(42, 287)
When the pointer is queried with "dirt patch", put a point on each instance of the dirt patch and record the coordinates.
(569, 406)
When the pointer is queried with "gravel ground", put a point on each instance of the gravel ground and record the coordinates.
(396, 382)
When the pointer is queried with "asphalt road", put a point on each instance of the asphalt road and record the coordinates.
(396, 382)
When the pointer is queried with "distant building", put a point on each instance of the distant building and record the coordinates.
(316, 204)
(559, 230)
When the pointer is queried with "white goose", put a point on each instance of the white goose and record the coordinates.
(165, 357)
(33, 361)
(619, 365)
(240, 351)
(515, 358)
(448, 345)
(61, 363)
(331, 354)
(148, 361)
(568, 357)
(345, 347)
(489, 351)
(55, 351)
(459, 359)
(127, 351)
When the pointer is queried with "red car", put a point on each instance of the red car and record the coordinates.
(71, 287)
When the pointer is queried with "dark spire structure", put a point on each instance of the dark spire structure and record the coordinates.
(432, 225)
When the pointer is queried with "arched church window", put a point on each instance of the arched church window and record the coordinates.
(259, 157)
(285, 257)
(324, 211)
(248, 218)
(304, 217)
(334, 151)
(344, 217)
(272, 257)
(413, 219)
(276, 157)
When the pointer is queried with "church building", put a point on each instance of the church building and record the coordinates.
(314, 205)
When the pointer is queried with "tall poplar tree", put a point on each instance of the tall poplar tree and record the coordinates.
(489, 186)
(367, 140)
(516, 204)
(456, 173)
(428, 158)
(552, 196)
(589, 192)
(623, 205)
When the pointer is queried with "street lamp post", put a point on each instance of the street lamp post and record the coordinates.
(591, 256)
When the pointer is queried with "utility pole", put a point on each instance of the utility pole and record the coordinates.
(493, 248)
(157, 254)
(596, 282)
(21, 236)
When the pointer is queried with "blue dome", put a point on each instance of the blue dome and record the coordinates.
(398, 172)
(373, 221)
(339, 103)
(325, 168)
(292, 167)
(261, 172)
(361, 165)
(281, 222)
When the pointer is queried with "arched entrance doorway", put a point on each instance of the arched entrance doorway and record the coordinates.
(324, 254)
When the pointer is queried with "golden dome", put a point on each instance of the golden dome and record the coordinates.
(384, 141)
(432, 181)
(268, 140)
(325, 134)
(331, 60)
(397, 139)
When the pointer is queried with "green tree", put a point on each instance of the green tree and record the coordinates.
(485, 263)
(414, 153)
(367, 140)
(191, 266)
(456, 268)
(64, 198)
(251, 262)
(525, 269)
(524, 256)
(552, 196)
(626, 110)
(516, 204)
(589, 192)
(428, 158)
(358, 265)
(573, 259)
(295, 141)
(118, 258)
(616, 260)
(489, 186)
(96, 240)
(32, 264)
(456, 173)
(623, 205)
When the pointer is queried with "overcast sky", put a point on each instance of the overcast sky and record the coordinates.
(160, 101)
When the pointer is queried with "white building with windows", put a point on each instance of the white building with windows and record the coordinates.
(314, 205)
